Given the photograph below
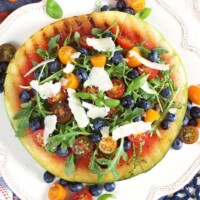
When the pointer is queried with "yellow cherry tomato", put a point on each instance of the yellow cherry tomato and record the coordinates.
(57, 192)
(71, 81)
(194, 94)
(65, 53)
(98, 60)
(107, 145)
(151, 115)
(131, 60)
(137, 5)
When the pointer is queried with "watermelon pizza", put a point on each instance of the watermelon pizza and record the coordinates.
(90, 96)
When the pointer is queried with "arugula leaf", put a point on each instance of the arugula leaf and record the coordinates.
(106, 197)
(85, 95)
(161, 50)
(143, 14)
(77, 37)
(53, 43)
(97, 32)
(53, 9)
(70, 166)
(111, 103)
(43, 53)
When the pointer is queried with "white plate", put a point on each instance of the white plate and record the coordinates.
(24, 175)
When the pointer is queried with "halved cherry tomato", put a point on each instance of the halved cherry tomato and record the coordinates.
(71, 81)
(137, 138)
(125, 42)
(151, 115)
(38, 137)
(188, 134)
(65, 53)
(57, 192)
(62, 111)
(82, 195)
(147, 70)
(194, 94)
(118, 89)
(91, 90)
(98, 60)
(107, 145)
(137, 5)
(61, 96)
(131, 60)
(82, 146)
(83, 43)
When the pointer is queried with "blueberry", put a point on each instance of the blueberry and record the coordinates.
(127, 144)
(133, 74)
(37, 74)
(192, 122)
(121, 5)
(153, 56)
(165, 125)
(1, 88)
(109, 187)
(171, 117)
(62, 152)
(98, 123)
(63, 182)
(105, 8)
(195, 112)
(185, 121)
(117, 57)
(54, 66)
(166, 93)
(24, 96)
(107, 35)
(95, 137)
(3, 66)
(189, 105)
(2, 77)
(82, 50)
(95, 190)
(127, 101)
(145, 104)
(48, 177)
(128, 10)
(137, 119)
(75, 186)
(34, 124)
(177, 144)
(82, 75)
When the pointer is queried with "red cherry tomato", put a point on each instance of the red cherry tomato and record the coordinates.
(147, 70)
(62, 111)
(38, 137)
(61, 96)
(125, 42)
(82, 195)
(137, 138)
(83, 42)
(82, 146)
(118, 89)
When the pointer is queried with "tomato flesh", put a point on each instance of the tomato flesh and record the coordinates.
(147, 70)
(118, 89)
(189, 134)
(82, 195)
(107, 145)
(38, 137)
(125, 42)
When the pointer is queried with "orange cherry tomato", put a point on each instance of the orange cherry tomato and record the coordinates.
(107, 145)
(57, 192)
(137, 5)
(194, 94)
(151, 115)
(12, 0)
(65, 53)
(137, 138)
(71, 81)
(147, 70)
(38, 137)
(189, 134)
(98, 60)
(61, 96)
(125, 42)
(82, 195)
(131, 60)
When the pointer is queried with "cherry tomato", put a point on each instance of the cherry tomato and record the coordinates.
(38, 137)
(125, 42)
(91, 90)
(137, 5)
(147, 70)
(131, 60)
(137, 138)
(65, 53)
(83, 42)
(82, 146)
(107, 145)
(71, 81)
(82, 195)
(61, 96)
(151, 115)
(194, 94)
(62, 111)
(57, 192)
(189, 134)
(7, 52)
(118, 89)
(98, 60)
